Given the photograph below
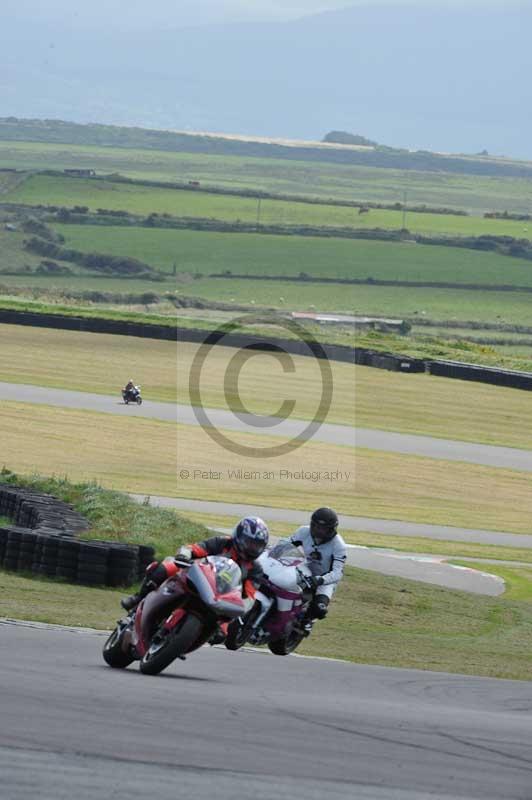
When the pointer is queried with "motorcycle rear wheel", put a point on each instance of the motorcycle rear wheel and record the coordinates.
(113, 654)
(167, 646)
(286, 645)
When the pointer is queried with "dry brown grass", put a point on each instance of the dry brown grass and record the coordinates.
(140, 455)
(101, 363)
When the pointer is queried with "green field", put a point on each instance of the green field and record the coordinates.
(475, 193)
(49, 190)
(386, 301)
(253, 254)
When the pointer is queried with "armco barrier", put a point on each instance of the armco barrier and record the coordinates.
(473, 372)
(45, 539)
(334, 352)
(394, 362)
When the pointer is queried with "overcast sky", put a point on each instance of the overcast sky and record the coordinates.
(129, 14)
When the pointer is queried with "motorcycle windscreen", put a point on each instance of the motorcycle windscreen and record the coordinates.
(287, 553)
(218, 581)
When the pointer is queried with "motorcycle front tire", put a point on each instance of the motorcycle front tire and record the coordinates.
(239, 630)
(166, 647)
(139, 400)
(237, 635)
(113, 654)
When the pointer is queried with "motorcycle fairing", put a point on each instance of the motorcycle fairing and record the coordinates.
(155, 607)
(218, 582)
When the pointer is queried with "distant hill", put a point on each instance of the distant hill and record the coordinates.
(433, 77)
(57, 131)
(343, 137)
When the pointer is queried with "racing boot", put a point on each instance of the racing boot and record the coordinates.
(132, 600)
(219, 634)
(155, 575)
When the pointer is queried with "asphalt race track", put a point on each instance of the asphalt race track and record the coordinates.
(237, 726)
(429, 447)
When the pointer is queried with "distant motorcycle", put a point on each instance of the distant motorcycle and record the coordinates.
(132, 396)
(278, 616)
(178, 617)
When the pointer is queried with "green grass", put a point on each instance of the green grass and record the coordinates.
(380, 301)
(12, 253)
(44, 189)
(398, 623)
(253, 254)
(518, 579)
(374, 619)
(277, 175)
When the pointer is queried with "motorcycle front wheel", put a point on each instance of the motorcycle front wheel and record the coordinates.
(139, 400)
(237, 635)
(239, 630)
(113, 654)
(286, 645)
(166, 646)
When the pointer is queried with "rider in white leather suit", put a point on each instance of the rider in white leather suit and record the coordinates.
(326, 555)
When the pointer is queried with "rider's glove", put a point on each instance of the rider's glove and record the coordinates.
(314, 581)
(184, 556)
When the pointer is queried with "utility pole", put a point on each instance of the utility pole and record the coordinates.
(404, 211)
(258, 212)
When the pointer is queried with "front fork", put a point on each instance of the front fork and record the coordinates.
(257, 613)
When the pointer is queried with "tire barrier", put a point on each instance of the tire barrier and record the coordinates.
(45, 539)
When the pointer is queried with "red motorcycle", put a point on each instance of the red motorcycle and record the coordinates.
(178, 617)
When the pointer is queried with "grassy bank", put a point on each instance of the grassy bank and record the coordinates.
(113, 516)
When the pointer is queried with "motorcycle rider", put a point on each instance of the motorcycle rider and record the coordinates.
(245, 544)
(326, 555)
(129, 387)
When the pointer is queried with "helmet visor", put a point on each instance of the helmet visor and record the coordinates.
(252, 548)
(322, 532)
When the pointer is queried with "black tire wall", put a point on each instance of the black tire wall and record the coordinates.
(46, 539)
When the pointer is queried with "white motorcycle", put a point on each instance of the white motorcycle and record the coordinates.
(278, 616)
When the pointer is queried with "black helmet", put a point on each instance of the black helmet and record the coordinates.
(323, 525)
(250, 537)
